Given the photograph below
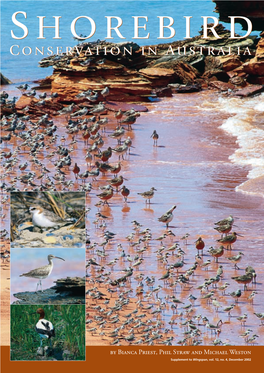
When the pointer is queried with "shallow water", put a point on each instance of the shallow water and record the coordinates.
(246, 123)
(190, 168)
(193, 168)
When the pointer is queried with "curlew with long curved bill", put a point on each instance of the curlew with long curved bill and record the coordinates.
(42, 272)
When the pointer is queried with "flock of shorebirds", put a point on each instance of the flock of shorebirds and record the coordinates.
(126, 304)
(38, 139)
(142, 309)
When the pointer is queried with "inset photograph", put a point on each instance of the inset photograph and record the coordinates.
(47, 219)
(47, 332)
(47, 276)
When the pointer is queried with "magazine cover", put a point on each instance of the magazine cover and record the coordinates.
(132, 184)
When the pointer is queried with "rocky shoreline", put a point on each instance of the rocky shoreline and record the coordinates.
(137, 74)
(70, 290)
(142, 74)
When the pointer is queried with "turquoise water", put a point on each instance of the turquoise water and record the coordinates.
(24, 68)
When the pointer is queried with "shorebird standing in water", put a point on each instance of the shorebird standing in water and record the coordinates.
(118, 115)
(44, 328)
(116, 182)
(76, 170)
(115, 169)
(118, 134)
(106, 194)
(216, 253)
(229, 221)
(251, 296)
(130, 119)
(199, 244)
(167, 217)
(224, 229)
(244, 279)
(42, 272)
(236, 294)
(236, 259)
(155, 137)
(250, 269)
(260, 316)
(228, 240)
(121, 150)
(148, 195)
(125, 192)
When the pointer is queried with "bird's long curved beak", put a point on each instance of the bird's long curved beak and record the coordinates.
(240, 235)
(59, 258)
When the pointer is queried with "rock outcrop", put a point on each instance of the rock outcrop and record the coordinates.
(255, 67)
(89, 67)
(254, 10)
(70, 285)
(134, 74)
(4, 80)
(70, 290)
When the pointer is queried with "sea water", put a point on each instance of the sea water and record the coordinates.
(25, 68)
(246, 123)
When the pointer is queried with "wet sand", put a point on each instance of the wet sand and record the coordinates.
(189, 168)
(5, 298)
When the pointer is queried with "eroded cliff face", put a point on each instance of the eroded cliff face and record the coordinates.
(254, 10)
(89, 68)
(133, 73)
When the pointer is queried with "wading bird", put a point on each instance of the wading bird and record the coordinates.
(167, 217)
(42, 272)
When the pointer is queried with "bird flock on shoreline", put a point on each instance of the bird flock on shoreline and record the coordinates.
(141, 309)
(126, 303)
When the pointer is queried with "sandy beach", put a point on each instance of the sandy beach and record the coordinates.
(203, 174)
(190, 168)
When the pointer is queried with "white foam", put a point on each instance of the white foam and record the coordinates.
(259, 106)
(250, 135)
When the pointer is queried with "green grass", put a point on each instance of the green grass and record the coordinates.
(69, 324)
